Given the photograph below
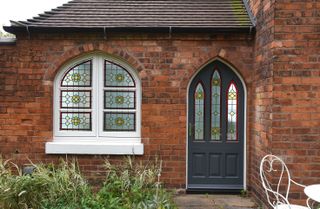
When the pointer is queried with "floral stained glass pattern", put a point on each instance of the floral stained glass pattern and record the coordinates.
(117, 76)
(76, 99)
(79, 75)
(75, 121)
(199, 113)
(119, 121)
(232, 113)
(215, 106)
(119, 99)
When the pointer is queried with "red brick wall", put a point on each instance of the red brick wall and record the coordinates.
(287, 83)
(165, 66)
(296, 97)
(262, 93)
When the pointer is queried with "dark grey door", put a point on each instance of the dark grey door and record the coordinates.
(216, 129)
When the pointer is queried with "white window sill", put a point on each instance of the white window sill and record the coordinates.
(94, 148)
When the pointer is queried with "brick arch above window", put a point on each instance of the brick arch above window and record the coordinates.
(74, 53)
(97, 107)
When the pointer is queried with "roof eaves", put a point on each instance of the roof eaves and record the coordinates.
(167, 29)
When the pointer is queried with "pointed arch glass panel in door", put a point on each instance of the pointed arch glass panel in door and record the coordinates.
(232, 125)
(199, 97)
(215, 106)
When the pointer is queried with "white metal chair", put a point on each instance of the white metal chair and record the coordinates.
(273, 168)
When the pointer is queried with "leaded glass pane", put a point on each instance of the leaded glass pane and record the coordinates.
(117, 76)
(199, 113)
(79, 75)
(76, 99)
(119, 121)
(232, 113)
(215, 108)
(76, 121)
(119, 99)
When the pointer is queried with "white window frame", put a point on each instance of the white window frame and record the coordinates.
(96, 141)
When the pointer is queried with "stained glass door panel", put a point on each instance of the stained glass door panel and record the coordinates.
(216, 129)
(215, 106)
(199, 112)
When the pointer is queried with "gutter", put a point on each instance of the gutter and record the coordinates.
(29, 29)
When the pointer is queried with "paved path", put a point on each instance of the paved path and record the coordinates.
(195, 201)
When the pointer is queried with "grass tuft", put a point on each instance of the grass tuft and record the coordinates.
(130, 185)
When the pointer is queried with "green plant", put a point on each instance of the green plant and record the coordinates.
(127, 186)
(47, 187)
(134, 185)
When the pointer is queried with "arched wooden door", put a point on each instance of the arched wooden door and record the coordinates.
(216, 130)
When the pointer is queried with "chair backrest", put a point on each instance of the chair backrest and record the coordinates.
(276, 180)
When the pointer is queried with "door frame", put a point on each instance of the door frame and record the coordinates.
(245, 118)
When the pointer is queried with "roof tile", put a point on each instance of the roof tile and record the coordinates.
(144, 14)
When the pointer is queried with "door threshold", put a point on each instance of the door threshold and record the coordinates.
(214, 189)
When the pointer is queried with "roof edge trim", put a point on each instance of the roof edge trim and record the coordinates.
(30, 29)
(251, 16)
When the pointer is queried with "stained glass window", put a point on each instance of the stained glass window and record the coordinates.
(75, 121)
(76, 98)
(232, 112)
(215, 106)
(79, 75)
(119, 121)
(97, 97)
(199, 97)
(119, 99)
(116, 75)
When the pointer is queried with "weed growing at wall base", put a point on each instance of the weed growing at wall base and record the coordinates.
(128, 186)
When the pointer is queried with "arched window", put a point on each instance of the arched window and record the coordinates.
(97, 108)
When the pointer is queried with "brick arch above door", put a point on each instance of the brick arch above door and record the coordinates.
(243, 69)
(237, 65)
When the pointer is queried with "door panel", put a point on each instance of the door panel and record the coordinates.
(216, 129)
(199, 170)
(215, 162)
(232, 165)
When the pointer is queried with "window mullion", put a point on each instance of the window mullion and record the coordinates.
(99, 94)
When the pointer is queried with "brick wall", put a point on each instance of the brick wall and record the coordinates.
(262, 92)
(287, 70)
(296, 68)
(165, 66)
